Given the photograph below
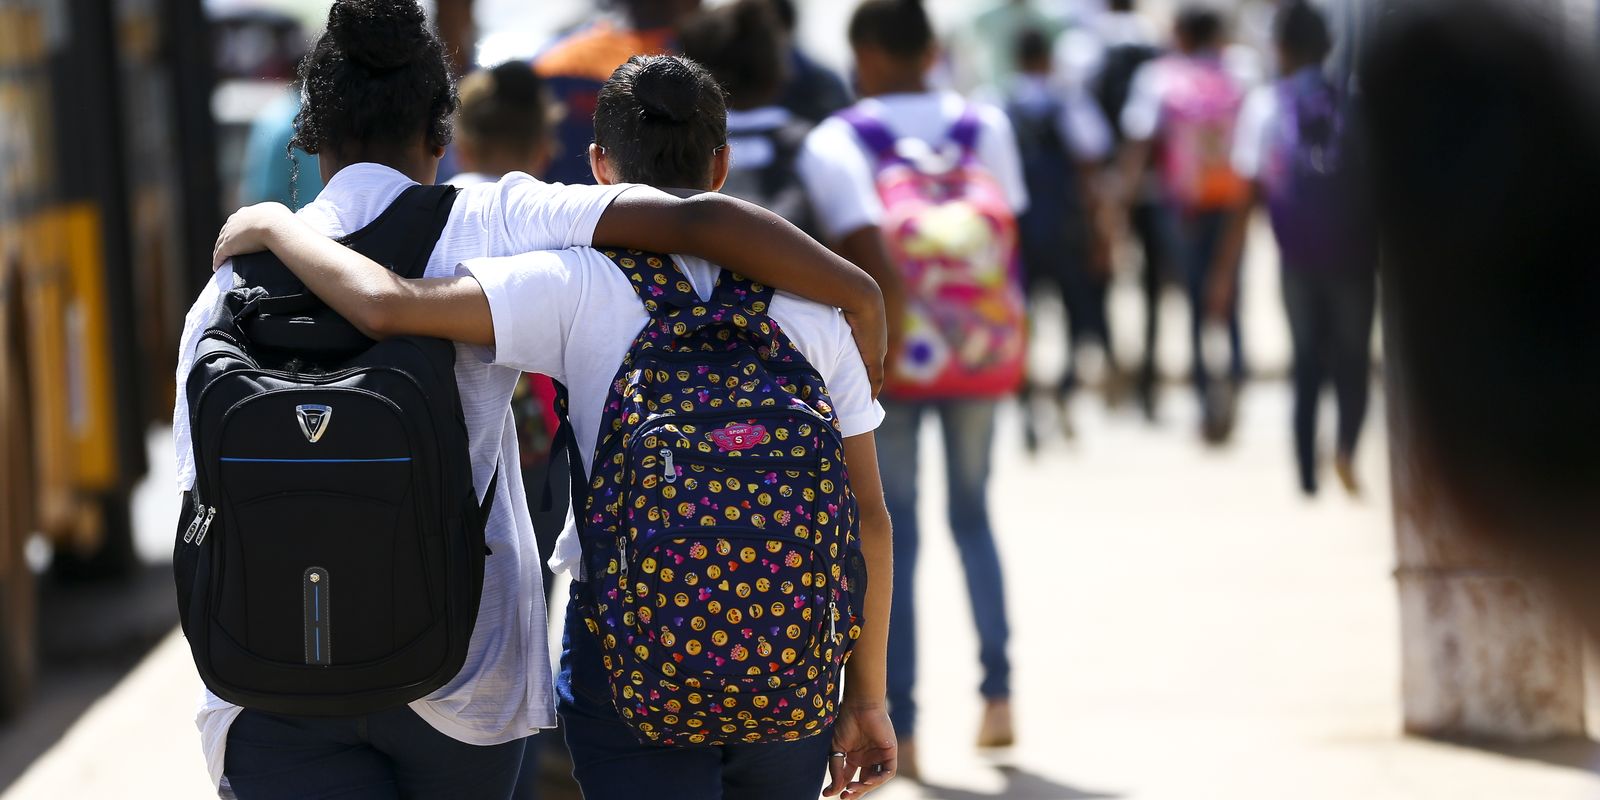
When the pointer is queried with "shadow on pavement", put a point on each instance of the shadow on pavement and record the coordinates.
(1576, 753)
(90, 636)
(1020, 784)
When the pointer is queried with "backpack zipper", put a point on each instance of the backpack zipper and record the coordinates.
(833, 621)
(205, 526)
(194, 524)
(668, 474)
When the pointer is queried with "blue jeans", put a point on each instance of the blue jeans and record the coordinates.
(1200, 234)
(385, 756)
(611, 763)
(968, 427)
(1330, 322)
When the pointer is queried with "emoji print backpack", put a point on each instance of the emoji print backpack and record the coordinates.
(725, 578)
(953, 236)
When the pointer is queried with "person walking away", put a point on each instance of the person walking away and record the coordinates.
(881, 176)
(698, 500)
(1183, 109)
(1062, 137)
(811, 91)
(577, 63)
(744, 47)
(504, 125)
(377, 114)
(1299, 145)
(1104, 56)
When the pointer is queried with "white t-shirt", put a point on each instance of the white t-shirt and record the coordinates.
(1257, 119)
(573, 315)
(838, 169)
(504, 690)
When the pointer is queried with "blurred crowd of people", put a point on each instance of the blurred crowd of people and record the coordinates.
(1079, 141)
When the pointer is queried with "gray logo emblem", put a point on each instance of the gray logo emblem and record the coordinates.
(313, 420)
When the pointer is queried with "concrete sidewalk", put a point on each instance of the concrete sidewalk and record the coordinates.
(1185, 627)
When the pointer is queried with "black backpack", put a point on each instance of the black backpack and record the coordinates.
(776, 185)
(330, 558)
(1115, 81)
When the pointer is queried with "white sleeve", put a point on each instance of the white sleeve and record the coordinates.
(1078, 57)
(194, 324)
(1141, 114)
(549, 216)
(850, 389)
(839, 180)
(997, 149)
(533, 300)
(1083, 126)
(1255, 125)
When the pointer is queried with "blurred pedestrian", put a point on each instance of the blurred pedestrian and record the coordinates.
(745, 48)
(1183, 108)
(579, 62)
(505, 125)
(1104, 56)
(1297, 142)
(882, 176)
(811, 91)
(1062, 137)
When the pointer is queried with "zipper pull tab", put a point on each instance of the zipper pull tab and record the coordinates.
(622, 557)
(833, 623)
(668, 472)
(211, 513)
(194, 525)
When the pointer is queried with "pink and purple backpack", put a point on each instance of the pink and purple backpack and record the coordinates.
(1199, 112)
(725, 582)
(953, 235)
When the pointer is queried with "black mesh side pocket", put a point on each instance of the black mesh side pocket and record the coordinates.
(855, 571)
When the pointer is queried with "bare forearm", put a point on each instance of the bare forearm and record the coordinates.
(866, 249)
(350, 283)
(742, 237)
(377, 301)
(867, 681)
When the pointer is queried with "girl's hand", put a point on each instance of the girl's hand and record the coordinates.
(249, 230)
(866, 737)
(869, 327)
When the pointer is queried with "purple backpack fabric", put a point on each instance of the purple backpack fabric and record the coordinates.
(1311, 178)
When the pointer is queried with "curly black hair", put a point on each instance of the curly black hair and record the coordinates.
(375, 78)
(661, 120)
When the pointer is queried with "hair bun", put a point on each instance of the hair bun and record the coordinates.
(379, 34)
(666, 90)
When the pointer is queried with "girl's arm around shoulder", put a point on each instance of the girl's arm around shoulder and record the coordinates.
(756, 243)
(863, 732)
(378, 302)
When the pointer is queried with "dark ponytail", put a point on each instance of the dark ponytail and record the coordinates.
(376, 78)
(900, 28)
(660, 119)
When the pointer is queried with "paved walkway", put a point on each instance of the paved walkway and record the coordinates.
(1187, 627)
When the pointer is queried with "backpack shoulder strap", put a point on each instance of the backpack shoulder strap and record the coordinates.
(964, 132)
(655, 277)
(407, 230)
(880, 141)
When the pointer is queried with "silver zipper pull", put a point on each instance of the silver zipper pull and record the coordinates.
(668, 473)
(205, 526)
(194, 525)
(833, 620)
(622, 557)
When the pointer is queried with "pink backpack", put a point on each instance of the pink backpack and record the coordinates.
(1201, 109)
(953, 235)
